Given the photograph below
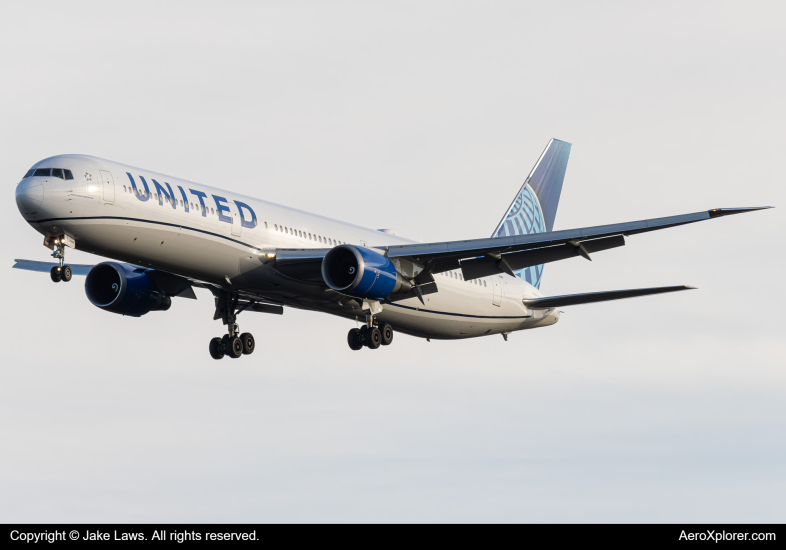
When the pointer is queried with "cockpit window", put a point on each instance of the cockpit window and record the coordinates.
(42, 172)
(57, 173)
(68, 175)
(29, 173)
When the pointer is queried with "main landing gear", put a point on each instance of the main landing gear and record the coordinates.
(232, 344)
(61, 272)
(372, 335)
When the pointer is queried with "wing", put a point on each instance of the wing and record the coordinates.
(483, 257)
(30, 265)
(172, 285)
(487, 256)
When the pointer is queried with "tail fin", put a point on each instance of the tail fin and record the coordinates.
(535, 206)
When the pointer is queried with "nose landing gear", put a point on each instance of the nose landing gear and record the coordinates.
(61, 272)
(230, 344)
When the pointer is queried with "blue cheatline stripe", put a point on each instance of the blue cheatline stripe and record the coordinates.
(146, 221)
(458, 314)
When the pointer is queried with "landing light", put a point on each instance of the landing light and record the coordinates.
(271, 254)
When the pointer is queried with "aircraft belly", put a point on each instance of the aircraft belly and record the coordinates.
(456, 311)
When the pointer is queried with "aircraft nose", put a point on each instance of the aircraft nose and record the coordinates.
(29, 195)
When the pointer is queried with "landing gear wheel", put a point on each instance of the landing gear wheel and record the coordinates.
(216, 349)
(65, 273)
(55, 274)
(373, 338)
(387, 334)
(234, 348)
(353, 339)
(248, 343)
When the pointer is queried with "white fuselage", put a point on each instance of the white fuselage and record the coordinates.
(216, 236)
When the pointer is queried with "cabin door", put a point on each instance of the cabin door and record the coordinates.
(495, 282)
(108, 183)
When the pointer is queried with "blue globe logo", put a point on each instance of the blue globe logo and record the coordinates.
(525, 218)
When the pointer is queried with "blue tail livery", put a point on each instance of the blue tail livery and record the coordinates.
(535, 206)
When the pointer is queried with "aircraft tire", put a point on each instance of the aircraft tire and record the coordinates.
(65, 273)
(248, 343)
(54, 273)
(373, 338)
(216, 349)
(353, 339)
(234, 348)
(387, 334)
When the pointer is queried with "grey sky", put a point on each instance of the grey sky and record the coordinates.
(425, 118)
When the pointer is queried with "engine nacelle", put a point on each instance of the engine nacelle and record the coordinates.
(362, 272)
(124, 289)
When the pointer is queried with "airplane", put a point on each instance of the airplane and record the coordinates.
(167, 235)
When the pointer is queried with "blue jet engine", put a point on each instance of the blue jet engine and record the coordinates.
(124, 289)
(362, 272)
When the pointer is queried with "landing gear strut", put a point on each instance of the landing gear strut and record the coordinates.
(232, 344)
(61, 272)
(371, 335)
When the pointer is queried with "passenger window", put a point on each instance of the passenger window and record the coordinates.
(29, 173)
(265, 225)
(42, 172)
(57, 173)
(124, 189)
(309, 236)
(68, 174)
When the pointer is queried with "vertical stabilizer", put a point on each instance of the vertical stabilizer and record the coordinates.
(534, 208)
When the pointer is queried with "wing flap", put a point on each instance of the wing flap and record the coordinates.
(592, 297)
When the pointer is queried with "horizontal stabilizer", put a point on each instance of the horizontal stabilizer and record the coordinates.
(46, 267)
(592, 297)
